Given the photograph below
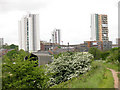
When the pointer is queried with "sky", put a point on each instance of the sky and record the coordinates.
(72, 17)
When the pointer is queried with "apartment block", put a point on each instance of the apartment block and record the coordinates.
(101, 45)
(29, 33)
(1, 42)
(99, 27)
(56, 36)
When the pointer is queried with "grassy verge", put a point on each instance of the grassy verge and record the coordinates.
(112, 66)
(97, 77)
(115, 67)
(119, 77)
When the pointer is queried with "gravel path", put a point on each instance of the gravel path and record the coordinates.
(116, 81)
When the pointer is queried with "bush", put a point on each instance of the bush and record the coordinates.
(105, 54)
(69, 65)
(113, 57)
(20, 73)
(96, 53)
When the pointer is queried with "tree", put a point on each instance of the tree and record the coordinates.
(12, 46)
(96, 53)
(105, 54)
(20, 73)
(12, 54)
(114, 55)
(119, 54)
(114, 49)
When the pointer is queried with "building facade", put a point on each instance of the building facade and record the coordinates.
(1, 42)
(118, 41)
(99, 27)
(56, 36)
(101, 45)
(97, 44)
(29, 33)
(114, 45)
(45, 46)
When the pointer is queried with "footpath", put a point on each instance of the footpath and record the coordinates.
(116, 80)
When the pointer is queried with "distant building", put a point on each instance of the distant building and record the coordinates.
(1, 42)
(107, 45)
(114, 45)
(102, 45)
(81, 48)
(56, 37)
(99, 27)
(45, 46)
(97, 44)
(4, 51)
(29, 33)
(118, 41)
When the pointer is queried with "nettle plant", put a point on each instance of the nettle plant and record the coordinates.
(69, 65)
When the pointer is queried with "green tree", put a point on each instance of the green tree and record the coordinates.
(96, 53)
(12, 46)
(119, 54)
(20, 73)
(114, 49)
(114, 55)
(105, 54)
(11, 54)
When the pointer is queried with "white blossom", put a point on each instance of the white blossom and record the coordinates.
(68, 66)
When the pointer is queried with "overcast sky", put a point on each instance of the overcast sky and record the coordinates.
(72, 17)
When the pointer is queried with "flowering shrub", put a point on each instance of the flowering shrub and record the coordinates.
(69, 65)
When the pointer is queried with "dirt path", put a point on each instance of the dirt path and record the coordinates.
(116, 81)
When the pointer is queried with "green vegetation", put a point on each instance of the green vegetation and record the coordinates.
(12, 46)
(68, 70)
(0, 73)
(119, 77)
(112, 55)
(97, 77)
(96, 53)
(113, 66)
(20, 73)
(104, 54)
(69, 65)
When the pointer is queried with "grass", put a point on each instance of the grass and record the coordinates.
(97, 77)
(112, 66)
(119, 77)
(115, 67)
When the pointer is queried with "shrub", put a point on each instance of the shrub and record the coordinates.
(96, 53)
(69, 65)
(20, 73)
(105, 54)
(113, 57)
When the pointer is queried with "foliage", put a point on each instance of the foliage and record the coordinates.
(97, 77)
(105, 54)
(11, 54)
(57, 55)
(12, 46)
(114, 49)
(20, 73)
(96, 53)
(114, 66)
(119, 54)
(69, 65)
(114, 56)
